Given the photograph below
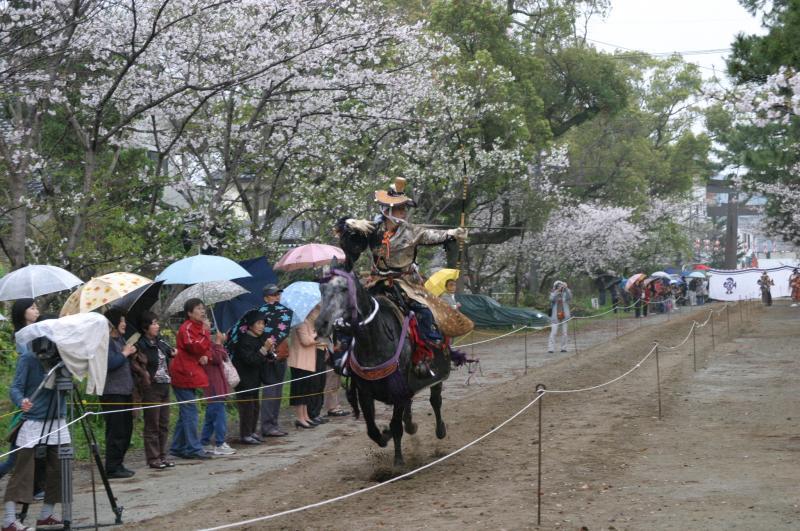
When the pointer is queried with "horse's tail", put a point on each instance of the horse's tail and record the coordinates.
(352, 398)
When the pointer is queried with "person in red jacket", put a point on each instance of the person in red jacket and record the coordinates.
(193, 346)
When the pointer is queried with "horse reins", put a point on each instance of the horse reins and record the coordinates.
(386, 368)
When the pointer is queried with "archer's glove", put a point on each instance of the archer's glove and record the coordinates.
(360, 225)
(459, 234)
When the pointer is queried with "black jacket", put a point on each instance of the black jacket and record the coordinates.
(249, 361)
(151, 351)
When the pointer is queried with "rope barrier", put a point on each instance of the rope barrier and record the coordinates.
(679, 345)
(378, 485)
(592, 388)
(541, 392)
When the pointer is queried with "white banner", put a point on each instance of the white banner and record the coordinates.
(733, 285)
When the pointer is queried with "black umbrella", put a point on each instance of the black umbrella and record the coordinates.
(137, 302)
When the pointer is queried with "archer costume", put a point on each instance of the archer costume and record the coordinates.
(393, 244)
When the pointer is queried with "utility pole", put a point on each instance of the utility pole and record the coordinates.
(732, 230)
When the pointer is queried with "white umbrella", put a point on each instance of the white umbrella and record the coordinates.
(32, 281)
(661, 274)
(208, 292)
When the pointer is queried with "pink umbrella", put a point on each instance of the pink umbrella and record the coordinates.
(307, 256)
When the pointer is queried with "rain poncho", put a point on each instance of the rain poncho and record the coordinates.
(82, 341)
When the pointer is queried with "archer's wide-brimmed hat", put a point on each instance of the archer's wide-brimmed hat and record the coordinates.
(396, 194)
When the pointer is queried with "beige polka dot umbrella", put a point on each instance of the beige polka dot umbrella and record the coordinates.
(102, 290)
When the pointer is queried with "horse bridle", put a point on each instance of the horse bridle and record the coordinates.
(351, 289)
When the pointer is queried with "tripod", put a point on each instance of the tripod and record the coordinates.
(64, 387)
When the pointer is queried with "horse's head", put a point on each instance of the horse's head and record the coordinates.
(336, 305)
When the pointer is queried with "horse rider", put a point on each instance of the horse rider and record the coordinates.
(393, 241)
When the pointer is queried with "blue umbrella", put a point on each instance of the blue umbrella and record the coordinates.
(301, 297)
(202, 268)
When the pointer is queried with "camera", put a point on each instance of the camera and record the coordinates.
(46, 352)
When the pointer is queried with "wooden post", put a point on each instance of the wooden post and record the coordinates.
(526, 350)
(658, 382)
(728, 318)
(713, 340)
(694, 345)
(575, 334)
(540, 389)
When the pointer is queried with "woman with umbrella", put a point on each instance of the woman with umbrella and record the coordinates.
(193, 344)
(154, 389)
(303, 363)
(251, 351)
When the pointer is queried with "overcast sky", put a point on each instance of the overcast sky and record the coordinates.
(658, 26)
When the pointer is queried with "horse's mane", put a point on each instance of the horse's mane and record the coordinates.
(355, 236)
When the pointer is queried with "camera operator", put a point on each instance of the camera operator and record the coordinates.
(251, 351)
(118, 397)
(560, 297)
(39, 419)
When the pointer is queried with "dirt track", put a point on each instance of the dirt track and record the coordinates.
(722, 456)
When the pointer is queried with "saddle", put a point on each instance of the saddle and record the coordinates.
(450, 321)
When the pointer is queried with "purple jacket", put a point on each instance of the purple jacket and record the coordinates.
(216, 375)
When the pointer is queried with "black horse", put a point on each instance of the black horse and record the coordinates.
(380, 362)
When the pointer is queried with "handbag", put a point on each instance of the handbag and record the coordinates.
(560, 316)
(231, 374)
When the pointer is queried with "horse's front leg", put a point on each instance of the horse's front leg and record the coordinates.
(411, 426)
(396, 427)
(436, 403)
(368, 409)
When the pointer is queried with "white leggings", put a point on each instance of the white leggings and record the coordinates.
(551, 345)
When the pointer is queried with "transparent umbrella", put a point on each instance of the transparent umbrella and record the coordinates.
(33, 281)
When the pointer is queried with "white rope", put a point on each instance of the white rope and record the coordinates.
(138, 408)
(378, 485)
(679, 345)
(544, 327)
(620, 377)
(448, 456)
(201, 399)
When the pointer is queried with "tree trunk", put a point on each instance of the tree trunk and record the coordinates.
(19, 220)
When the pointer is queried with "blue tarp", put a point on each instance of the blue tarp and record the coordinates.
(228, 312)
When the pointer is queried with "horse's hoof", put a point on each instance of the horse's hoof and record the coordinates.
(398, 462)
(441, 430)
(411, 428)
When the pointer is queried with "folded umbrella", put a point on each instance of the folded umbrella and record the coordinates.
(202, 268)
(32, 281)
(301, 298)
(102, 290)
(308, 256)
(208, 292)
